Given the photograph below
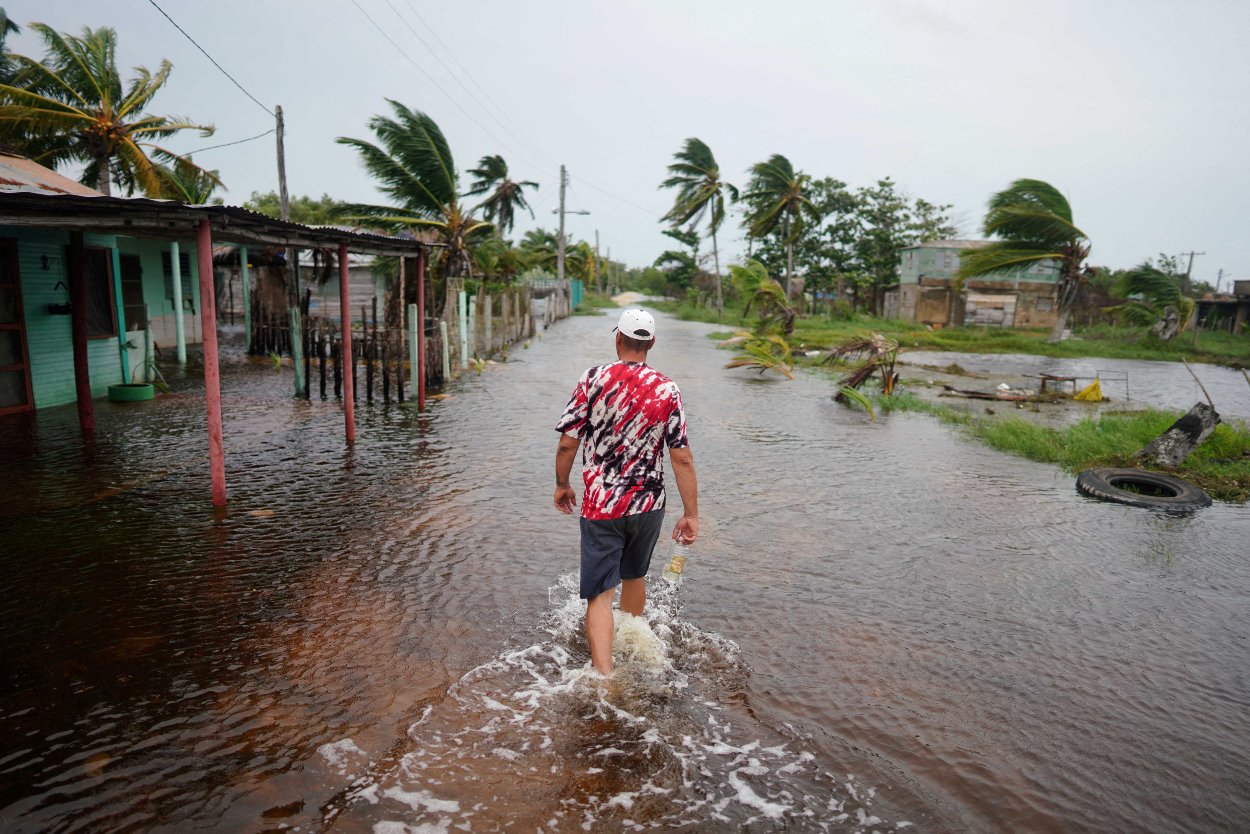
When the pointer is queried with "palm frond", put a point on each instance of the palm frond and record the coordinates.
(847, 394)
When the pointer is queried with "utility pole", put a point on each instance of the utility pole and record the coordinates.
(564, 178)
(598, 283)
(1190, 267)
(1219, 279)
(292, 259)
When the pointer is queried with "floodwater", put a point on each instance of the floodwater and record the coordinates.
(885, 625)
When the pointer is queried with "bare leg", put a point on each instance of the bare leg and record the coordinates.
(599, 628)
(633, 596)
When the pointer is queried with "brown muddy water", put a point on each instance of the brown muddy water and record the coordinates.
(885, 625)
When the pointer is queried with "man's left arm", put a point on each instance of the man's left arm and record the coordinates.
(566, 452)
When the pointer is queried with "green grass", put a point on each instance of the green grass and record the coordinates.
(1112, 342)
(593, 304)
(1221, 465)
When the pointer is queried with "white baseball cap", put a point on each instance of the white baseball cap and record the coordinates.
(636, 324)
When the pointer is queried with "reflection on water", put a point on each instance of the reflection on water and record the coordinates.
(883, 623)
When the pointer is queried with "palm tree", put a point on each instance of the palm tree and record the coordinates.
(1153, 299)
(777, 196)
(506, 195)
(186, 182)
(1034, 223)
(7, 27)
(700, 192)
(72, 107)
(415, 168)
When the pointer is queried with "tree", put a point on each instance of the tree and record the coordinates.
(777, 198)
(414, 167)
(72, 107)
(188, 183)
(310, 211)
(1153, 299)
(7, 27)
(889, 222)
(505, 194)
(700, 193)
(681, 268)
(1033, 222)
(539, 249)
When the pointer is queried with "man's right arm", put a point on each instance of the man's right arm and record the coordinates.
(687, 528)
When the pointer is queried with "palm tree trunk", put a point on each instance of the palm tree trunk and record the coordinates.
(1061, 324)
(720, 304)
(104, 186)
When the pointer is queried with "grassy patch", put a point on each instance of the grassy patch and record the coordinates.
(593, 304)
(1112, 342)
(1221, 465)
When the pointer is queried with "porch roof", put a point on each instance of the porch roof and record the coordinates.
(142, 217)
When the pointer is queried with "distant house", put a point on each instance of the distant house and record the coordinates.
(124, 275)
(1015, 298)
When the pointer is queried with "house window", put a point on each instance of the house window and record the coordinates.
(1044, 305)
(101, 310)
(184, 266)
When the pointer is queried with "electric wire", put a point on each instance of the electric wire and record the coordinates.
(212, 59)
(236, 142)
(456, 77)
(438, 86)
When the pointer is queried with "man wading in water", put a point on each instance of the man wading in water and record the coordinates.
(625, 413)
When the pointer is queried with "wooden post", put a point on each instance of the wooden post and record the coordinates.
(180, 327)
(413, 364)
(212, 375)
(370, 345)
(78, 332)
(421, 329)
(473, 322)
(464, 331)
(245, 281)
(488, 317)
(442, 328)
(345, 313)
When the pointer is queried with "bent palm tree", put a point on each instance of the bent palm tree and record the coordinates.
(72, 107)
(700, 192)
(186, 182)
(505, 195)
(1034, 223)
(1159, 304)
(778, 195)
(414, 167)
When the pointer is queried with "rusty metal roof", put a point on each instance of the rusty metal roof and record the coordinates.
(18, 174)
(33, 196)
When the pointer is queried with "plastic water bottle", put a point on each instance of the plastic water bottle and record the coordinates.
(677, 564)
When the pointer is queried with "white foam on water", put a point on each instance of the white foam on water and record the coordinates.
(536, 737)
(343, 756)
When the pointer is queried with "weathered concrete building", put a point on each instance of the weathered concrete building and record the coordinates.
(1018, 298)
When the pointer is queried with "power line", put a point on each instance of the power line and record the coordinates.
(647, 211)
(211, 58)
(456, 76)
(437, 86)
(228, 144)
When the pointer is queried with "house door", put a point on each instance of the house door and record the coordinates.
(15, 393)
(132, 293)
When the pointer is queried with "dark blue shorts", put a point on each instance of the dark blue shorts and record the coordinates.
(617, 548)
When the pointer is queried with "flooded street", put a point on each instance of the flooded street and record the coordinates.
(885, 625)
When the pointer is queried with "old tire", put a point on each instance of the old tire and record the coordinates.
(131, 392)
(1139, 488)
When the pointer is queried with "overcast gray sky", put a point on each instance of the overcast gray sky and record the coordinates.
(1138, 110)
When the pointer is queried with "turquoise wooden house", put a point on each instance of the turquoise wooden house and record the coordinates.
(1016, 298)
(88, 283)
(129, 287)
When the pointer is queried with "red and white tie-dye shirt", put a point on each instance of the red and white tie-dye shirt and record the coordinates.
(625, 414)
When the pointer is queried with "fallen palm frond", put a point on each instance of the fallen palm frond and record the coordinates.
(849, 394)
(879, 354)
(765, 353)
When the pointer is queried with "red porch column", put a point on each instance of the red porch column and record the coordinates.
(78, 332)
(345, 317)
(212, 374)
(421, 329)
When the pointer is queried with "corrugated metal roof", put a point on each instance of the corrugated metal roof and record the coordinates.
(18, 174)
